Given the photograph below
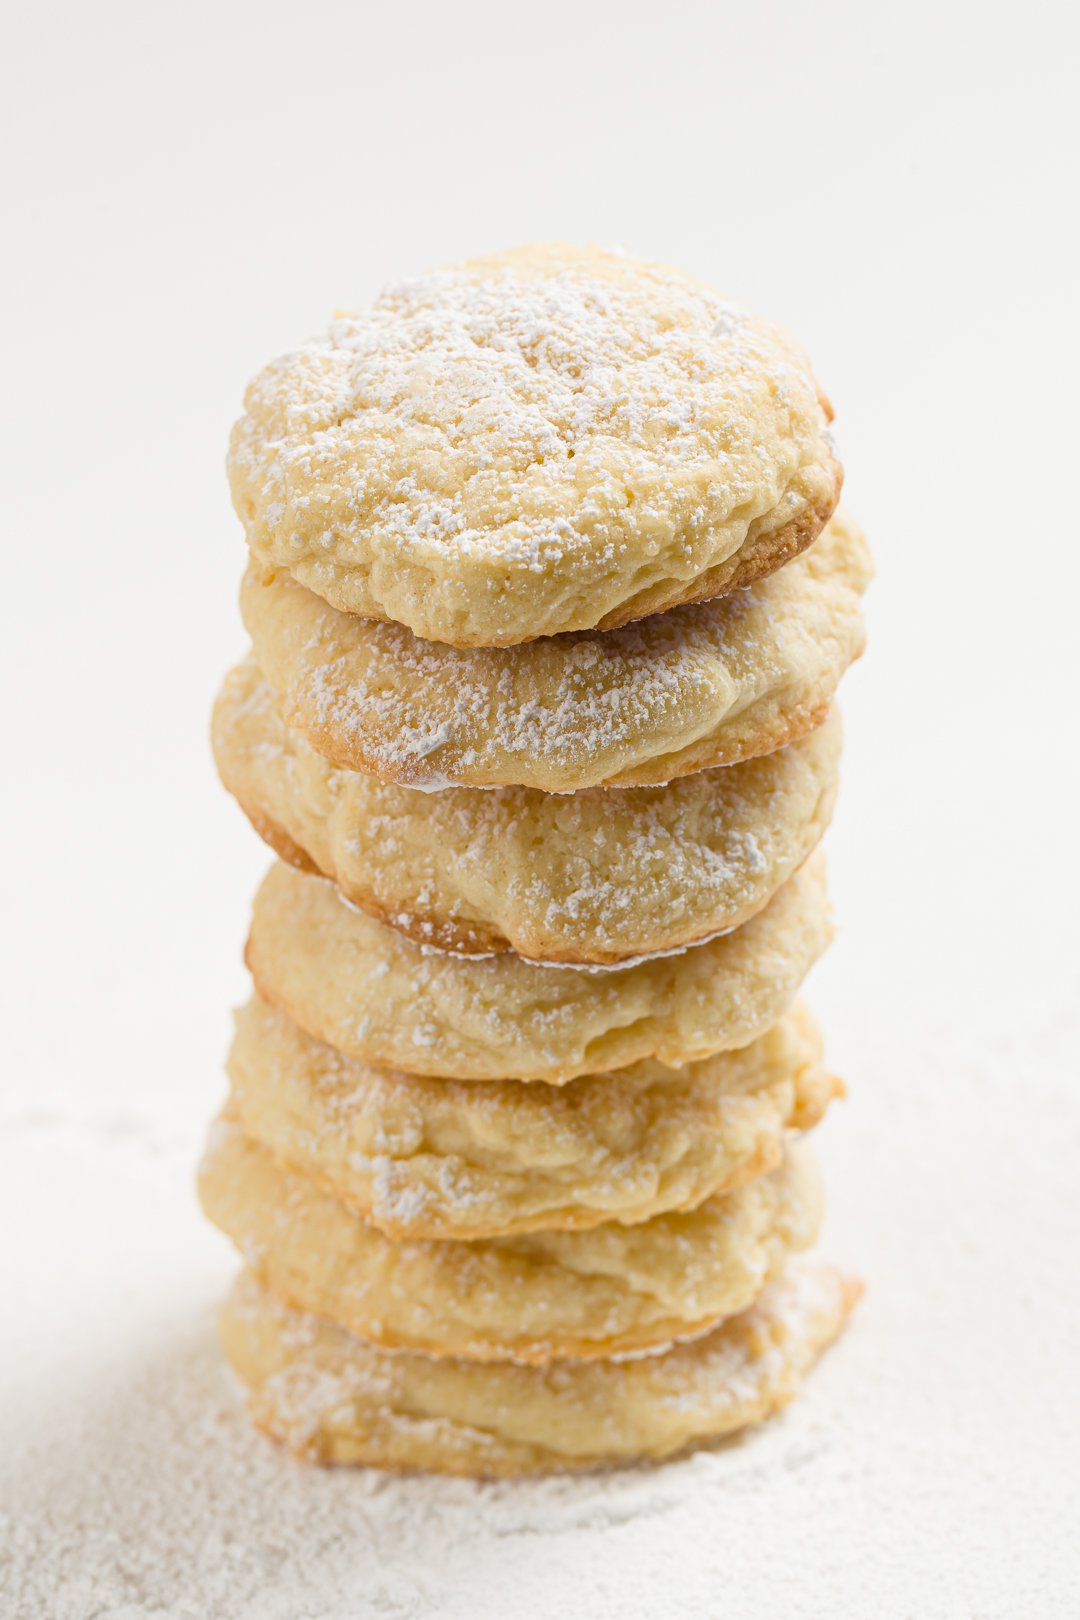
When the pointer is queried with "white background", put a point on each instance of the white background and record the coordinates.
(190, 190)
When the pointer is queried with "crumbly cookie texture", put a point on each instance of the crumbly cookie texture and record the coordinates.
(625, 872)
(376, 995)
(700, 686)
(333, 1398)
(550, 439)
(532, 1297)
(424, 1158)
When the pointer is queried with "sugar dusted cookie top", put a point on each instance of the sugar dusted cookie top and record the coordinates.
(550, 439)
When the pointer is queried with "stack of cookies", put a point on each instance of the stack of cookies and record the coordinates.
(549, 598)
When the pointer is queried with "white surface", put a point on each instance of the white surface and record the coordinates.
(193, 192)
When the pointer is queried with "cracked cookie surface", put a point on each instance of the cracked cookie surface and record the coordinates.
(549, 439)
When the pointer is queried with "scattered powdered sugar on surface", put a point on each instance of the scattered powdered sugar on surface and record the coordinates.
(928, 1460)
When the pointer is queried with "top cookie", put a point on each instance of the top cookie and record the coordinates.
(550, 439)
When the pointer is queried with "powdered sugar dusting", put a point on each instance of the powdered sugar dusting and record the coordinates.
(734, 676)
(529, 444)
(506, 374)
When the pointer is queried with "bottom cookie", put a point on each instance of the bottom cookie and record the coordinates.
(333, 1398)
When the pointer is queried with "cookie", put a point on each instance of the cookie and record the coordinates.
(596, 876)
(333, 1398)
(376, 995)
(547, 440)
(697, 687)
(611, 1289)
(424, 1158)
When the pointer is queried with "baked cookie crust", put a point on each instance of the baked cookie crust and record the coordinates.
(546, 440)
(684, 691)
(533, 1297)
(594, 877)
(376, 995)
(335, 1399)
(425, 1158)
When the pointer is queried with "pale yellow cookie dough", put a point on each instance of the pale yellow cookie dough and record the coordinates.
(446, 1158)
(596, 876)
(532, 1297)
(333, 1398)
(369, 991)
(545, 440)
(697, 687)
